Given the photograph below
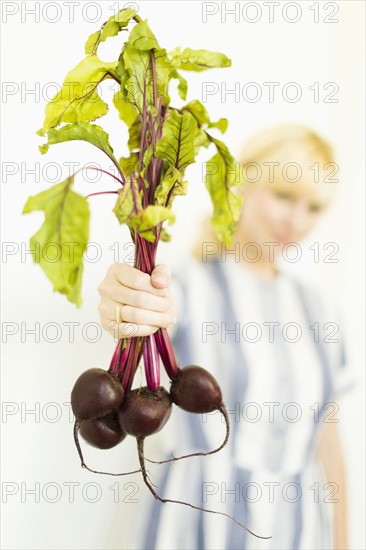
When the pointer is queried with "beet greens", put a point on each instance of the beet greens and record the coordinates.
(163, 141)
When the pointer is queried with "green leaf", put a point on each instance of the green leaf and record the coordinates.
(172, 178)
(138, 219)
(135, 68)
(83, 131)
(198, 60)
(126, 207)
(182, 86)
(177, 143)
(201, 115)
(65, 231)
(221, 176)
(78, 99)
(164, 235)
(221, 125)
(137, 64)
(142, 38)
(199, 112)
(149, 218)
(164, 72)
(134, 133)
(129, 164)
(201, 139)
(127, 111)
(121, 69)
(110, 28)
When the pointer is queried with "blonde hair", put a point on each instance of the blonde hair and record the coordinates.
(287, 148)
(287, 145)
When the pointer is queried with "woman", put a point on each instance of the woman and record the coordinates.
(265, 337)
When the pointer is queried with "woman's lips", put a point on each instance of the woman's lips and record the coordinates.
(283, 239)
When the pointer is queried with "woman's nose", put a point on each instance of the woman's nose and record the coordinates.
(298, 218)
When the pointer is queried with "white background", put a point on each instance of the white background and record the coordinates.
(40, 50)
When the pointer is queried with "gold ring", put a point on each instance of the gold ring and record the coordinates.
(118, 313)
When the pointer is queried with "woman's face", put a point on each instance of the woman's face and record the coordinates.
(278, 215)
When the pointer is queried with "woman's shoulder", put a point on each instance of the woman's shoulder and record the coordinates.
(190, 270)
(315, 296)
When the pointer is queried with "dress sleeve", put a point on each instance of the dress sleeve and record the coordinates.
(334, 336)
(344, 377)
(332, 341)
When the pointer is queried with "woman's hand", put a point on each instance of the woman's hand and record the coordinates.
(147, 302)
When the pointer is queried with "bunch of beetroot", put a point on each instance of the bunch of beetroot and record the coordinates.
(105, 413)
(107, 409)
(163, 141)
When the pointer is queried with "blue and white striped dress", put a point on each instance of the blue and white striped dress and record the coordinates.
(273, 347)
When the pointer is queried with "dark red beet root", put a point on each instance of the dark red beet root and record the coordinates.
(144, 412)
(196, 390)
(103, 433)
(95, 394)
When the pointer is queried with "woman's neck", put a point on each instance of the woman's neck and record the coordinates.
(262, 269)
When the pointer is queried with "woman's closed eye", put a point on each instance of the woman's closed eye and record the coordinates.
(283, 195)
(316, 208)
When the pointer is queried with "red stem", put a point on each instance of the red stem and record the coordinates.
(104, 172)
(125, 361)
(153, 74)
(134, 193)
(101, 193)
(133, 360)
(166, 352)
(141, 185)
(143, 126)
(119, 358)
(151, 363)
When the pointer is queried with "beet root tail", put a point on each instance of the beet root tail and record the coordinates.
(140, 449)
(223, 411)
(80, 453)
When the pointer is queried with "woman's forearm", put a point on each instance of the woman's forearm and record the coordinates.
(330, 454)
(340, 508)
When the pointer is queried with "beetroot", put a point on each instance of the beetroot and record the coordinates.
(145, 412)
(95, 394)
(196, 390)
(103, 433)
